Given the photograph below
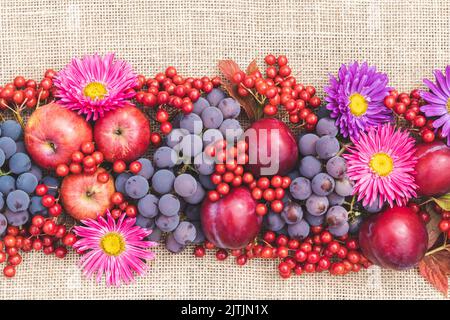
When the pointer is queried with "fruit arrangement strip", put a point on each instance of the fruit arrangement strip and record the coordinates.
(98, 159)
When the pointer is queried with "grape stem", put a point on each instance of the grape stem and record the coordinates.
(4, 173)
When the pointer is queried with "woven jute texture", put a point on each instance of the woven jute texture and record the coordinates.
(404, 38)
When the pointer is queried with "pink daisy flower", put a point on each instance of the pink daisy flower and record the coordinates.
(94, 85)
(381, 162)
(114, 248)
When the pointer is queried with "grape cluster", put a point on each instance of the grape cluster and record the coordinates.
(279, 88)
(318, 188)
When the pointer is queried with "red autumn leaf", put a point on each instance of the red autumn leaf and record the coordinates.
(433, 226)
(430, 269)
(228, 68)
(252, 67)
(443, 260)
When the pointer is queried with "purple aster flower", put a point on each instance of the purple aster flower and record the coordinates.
(438, 100)
(355, 98)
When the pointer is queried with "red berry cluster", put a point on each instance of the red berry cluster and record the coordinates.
(85, 160)
(407, 106)
(279, 87)
(270, 193)
(444, 224)
(42, 234)
(317, 253)
(120, 166)
(48, 201)
(169, 89)
(121, 205)
(229, 169)
(425, 216)
(23, 93)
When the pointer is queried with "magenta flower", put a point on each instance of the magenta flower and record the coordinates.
(382, 163)
(355, 98)
(438, 100)
(94, 85)
(112, 248)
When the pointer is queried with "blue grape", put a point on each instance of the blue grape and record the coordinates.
(162, 181)
(121, 180)
(300, 188)
(307, 144)
(185, 185)
(2, 158)
(192, 212)
(231, 129)
(8, 146)
(192, 123)
(136, 187)
(292, 213)
(172, 245)
(200, 105)
(344, 187)
(206, 182)
(36, 206)
(174, 138)
(147, 169)
(336, 167)
(374, 207)
(165, 157)
(322, 184)
(3, 224)
(27, 182)
(155, 235)
(7, 184)
(309, 167)
(11, 129)
(326, 126)
(212, 118)
(273, 221)
(200, 236)
(2, 201)
(169, 205)
(299, 231)
(339, 230)
(148, 206)
(317, 205)
(204, 164)
(211, 135)
(314, 220)
(144, 222)
(191, 145)
(215, 96)
(230, 108)
(335, 199)
(20, 147)
(36, 171)
(19, 163)
(18, 200)
(185, 233)
(336, 215)
(167, 224)
(18, 218)
(355, 224)
(52, 184)
(327, 147)
(197, 197)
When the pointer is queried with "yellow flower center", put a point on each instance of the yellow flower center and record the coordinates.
(382, 164)
(112, 244)
(448, 106)
(358, 105)
(95, 90)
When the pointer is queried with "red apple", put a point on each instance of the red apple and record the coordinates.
(272, 147)
(433, 168)
(396, 238)
(53, 133)
(83, 197)
(231, 222)
(122, 134)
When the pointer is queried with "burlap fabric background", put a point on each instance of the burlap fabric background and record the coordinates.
(404, 38)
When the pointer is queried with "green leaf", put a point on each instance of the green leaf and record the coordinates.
(443, 202)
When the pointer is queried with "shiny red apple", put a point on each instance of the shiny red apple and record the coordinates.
(231, 222)
(395, 238)
(433, 168)
(84, 197)
(122, 134)
(53, 133)
(272, 147)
